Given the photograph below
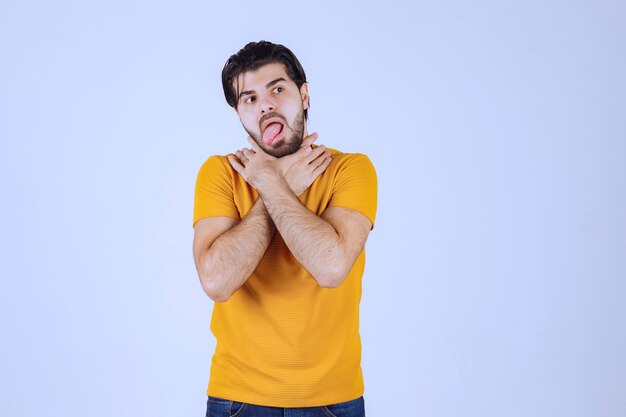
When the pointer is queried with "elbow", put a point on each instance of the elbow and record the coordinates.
(332, 274)
(330, 283)
(332, 277)
(219, 298)
(216, 296)
(216, 293)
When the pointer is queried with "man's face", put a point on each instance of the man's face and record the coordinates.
(271, 108)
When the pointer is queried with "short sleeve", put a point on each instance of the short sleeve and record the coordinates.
(356, 186)
(214, 191)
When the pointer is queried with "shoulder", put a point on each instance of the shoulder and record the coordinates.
(350, 161)
(216, 165)
(216, 171)
(215, 162)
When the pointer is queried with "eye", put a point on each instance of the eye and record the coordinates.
(249, 99)
(278, 90)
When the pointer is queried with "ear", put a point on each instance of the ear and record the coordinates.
(304, 94)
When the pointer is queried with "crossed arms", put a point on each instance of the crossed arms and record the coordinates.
(227, 251)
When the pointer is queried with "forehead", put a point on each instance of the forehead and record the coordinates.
(257, 79)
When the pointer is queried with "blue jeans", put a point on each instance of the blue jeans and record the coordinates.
(220, 407)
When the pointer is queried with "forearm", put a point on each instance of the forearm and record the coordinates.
(312, 240)
(233, 256)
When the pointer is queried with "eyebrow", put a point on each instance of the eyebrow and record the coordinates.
(268, 85)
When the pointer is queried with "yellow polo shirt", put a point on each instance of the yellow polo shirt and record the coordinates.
(281, 339)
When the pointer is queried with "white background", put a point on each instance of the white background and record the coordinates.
(495, 278)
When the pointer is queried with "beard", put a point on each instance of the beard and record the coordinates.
(291, 141)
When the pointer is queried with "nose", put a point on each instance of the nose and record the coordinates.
(267, 105)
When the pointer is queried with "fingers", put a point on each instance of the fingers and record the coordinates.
(320, 160)
(315, 153)
(235, 164)
(322, 167)
(300, 153)
(305, 148)
(241, 157)
(247, 153)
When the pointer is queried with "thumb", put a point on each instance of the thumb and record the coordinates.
(309, 139)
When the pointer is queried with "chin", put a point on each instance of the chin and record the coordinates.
(287, 145)
(285, 148)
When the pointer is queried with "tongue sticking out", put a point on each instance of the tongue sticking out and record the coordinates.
(271, 132)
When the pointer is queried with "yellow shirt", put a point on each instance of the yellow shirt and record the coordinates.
(281, 339)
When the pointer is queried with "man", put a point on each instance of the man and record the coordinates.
(280, 230)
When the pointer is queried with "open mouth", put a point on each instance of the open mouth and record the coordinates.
(273, 133)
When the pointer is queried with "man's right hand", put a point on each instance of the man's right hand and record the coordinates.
(301, 168)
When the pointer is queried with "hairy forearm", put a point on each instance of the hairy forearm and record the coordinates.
(234, 255)
(312, 240)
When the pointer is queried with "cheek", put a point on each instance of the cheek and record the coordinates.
(249, 122)
(292, 111)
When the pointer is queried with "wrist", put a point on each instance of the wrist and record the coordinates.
(272, 186)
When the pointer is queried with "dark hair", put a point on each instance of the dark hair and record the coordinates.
(253, 56)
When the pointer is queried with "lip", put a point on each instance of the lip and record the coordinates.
(270, 121)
